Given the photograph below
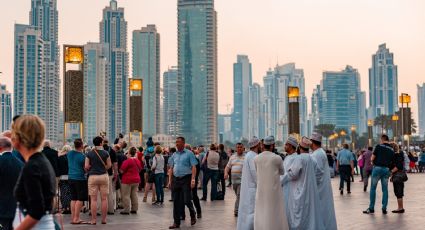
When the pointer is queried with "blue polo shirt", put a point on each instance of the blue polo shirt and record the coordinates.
(344, 157)
(182, 163)
(76, 165)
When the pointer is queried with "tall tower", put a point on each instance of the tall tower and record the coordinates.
(197, 74)
(383, 84)
(242, 81)
(44, 16)
(170, 101)
(5, 108)
(113, 33)
(146, 66)
(421, 108)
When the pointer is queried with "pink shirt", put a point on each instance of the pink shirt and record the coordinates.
(130, 171)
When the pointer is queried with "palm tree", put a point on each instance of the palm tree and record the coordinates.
(384, 122)
(325, 130)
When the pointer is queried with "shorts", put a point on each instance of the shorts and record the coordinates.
(99, 183)
(399, 190)
(79, 190)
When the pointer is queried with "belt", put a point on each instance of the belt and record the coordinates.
(182, 177)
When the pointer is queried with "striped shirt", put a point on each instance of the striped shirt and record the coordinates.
(235, 165)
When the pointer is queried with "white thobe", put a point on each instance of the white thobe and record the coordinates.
(247, 195)
(269, 205)
(324, 187)
(301, 197)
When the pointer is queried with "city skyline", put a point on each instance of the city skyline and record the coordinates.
(336, 43)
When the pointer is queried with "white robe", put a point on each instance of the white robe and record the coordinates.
(269, 205)
(247, 195)
(301, 196)
(324, 187)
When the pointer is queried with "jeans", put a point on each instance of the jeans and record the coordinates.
(213, 175)
(366, 175)
(222, 181)
(344, 175)
(379, 173)
(159, 187)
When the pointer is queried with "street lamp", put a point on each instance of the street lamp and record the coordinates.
(353, 131)
(395, 119)
(293, 110)
(136, 108)
(343, 133)
(370, 131)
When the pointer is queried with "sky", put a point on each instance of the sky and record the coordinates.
(317, 35)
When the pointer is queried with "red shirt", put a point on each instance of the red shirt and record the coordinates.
(140, 157)
(130, 171)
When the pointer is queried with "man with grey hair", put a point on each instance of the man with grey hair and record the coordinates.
(10, 168)
(15, 152)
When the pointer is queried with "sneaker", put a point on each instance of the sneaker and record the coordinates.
(369, 211)
(398, 211)
(384, 211)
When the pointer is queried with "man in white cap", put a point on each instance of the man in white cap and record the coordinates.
(301, 198)
(248, 188)
(324, 186)
(291, 153)
(269, 206)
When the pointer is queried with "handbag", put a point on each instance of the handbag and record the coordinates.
(399, 177)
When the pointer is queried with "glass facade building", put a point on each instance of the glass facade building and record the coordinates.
(242, 81)
(113, 33)
(146, 66)
(197, 71)
(5, 108)
(383, 84)
(169, 112)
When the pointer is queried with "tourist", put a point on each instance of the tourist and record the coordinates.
(211, 161)
(52, 156)
(234, 168)
(422, 160)
(324, 186)
(201, 156)
(183, 172)
(248, 188)
(224, 159)
(269, 208)
(331, 162)
(361, 163)
(345, 166)
(158, 163)
(64, 187)
(398, 177)
(301, 198)
(97, 164)
(367, 167)
(35, 188)
(77, 180)
(142, 172)
(10, 168)
(195, 197)
(382, 159)
(130, 182)
(113, 177)
(149, 175)
(291, 145)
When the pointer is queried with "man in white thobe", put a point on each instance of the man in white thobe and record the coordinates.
(302, 198)
(248, 188)
(324, 186)
(269, 205)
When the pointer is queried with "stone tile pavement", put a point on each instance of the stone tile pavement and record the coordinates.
(219, 214)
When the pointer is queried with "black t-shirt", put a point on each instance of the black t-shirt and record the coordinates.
(52, 156)
(113, 156)
(36, 187)
(97, 167)
(384, 155)
(63, 165)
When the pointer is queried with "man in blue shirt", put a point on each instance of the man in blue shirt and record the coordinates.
(183, 173)
(345, 166)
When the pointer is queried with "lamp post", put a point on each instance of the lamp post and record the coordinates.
(136, 108)
(370, 131)
(353, 131)
(342, 134)
(293, 110)
(395, 119)
(406, 122)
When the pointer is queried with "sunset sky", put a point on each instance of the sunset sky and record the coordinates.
(317, 35)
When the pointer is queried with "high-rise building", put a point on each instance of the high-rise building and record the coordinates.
(314, 118)
(224, 122)
(96, 90)
(383, 84)
(169, 112)
(29, 75)
(242, 81)
(113, 32)
(197, 71)
(44, 17)
(421, 108)
(254, 111)
(276, 83)
(146, 66)
(5, 108)
(339, 99)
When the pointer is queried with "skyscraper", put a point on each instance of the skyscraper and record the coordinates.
(340, 98)
(113, 32)
(44, 16)
(29, 75)
(276, 83)
(197, 71)
(255, 115)
(242, 81)
(96, 90)
(146, 66)
(5, 108)
(169, 112)
(383, 84)
(421, 108)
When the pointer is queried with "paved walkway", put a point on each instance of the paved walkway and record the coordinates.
(219, 214)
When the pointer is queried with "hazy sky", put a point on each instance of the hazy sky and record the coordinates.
(317, 35)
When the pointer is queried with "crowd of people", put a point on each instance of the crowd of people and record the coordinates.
(38, 181)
